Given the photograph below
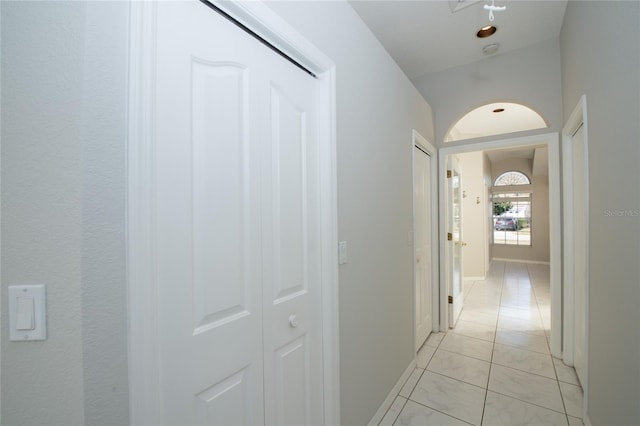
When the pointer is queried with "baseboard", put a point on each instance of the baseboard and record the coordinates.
(532, 262)
(473, 278)
(377, 418)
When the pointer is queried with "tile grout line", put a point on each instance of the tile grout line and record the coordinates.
(529, 402)
(535, 294)
(493, 348)
(423, 369)
(453, 378)
(441, 412)
(388, 409)
(437, 348)
(400, 411)
(527, 372)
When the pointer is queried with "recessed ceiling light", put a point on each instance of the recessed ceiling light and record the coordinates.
(498, 110)
(486, 31)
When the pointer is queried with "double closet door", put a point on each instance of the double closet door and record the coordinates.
(237, 226)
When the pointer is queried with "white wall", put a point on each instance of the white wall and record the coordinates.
(41, 205)
(104, 291)
(605, 65)
(538, 251)
(63, 125)
(530, 76)
(377, 108)
(488, 183)
(474, 217)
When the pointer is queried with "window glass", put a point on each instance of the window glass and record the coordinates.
(511, 210)
(512, 219)
(512, 178)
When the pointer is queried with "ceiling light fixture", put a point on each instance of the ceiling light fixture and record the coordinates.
(487, 31)
(493, 8)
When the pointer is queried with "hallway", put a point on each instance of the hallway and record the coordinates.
(495, 367)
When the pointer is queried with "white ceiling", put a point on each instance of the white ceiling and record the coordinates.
(539, 155)
(424, 36)
(502, 154)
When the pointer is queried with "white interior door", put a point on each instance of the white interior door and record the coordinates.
(579, 250)
(237, 227)
(291, 251)
(454, 226)
(422, 244)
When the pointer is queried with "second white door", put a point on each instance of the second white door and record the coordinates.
(423, 249)
(580, 262)
(455, 242)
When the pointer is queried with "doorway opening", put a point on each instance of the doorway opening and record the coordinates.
(505, 155)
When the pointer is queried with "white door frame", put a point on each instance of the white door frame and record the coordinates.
(551, 140)
(577, 118)
(144, 362)
(421, 142)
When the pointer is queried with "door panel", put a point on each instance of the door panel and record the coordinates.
(237, 228)
(291, 368)
(220, 216)
(224, 402)
(422, 215)
(208, 220)
(288, 138)
(291, 265)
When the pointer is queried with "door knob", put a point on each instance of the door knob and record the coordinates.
(293, 321)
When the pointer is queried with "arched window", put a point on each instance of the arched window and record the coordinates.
(511, 209)
(512, 178)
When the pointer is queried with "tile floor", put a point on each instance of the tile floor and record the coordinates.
(494, 367)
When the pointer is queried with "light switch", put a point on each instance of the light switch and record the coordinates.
(27, 312)
(342, 252)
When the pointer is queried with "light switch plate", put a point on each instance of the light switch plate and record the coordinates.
(27, 312)
(342, 252)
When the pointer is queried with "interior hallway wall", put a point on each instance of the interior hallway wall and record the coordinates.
(474, 216)
(377, 108)
(530, 75)
(488, 183)
(64, 99)
(605, 65)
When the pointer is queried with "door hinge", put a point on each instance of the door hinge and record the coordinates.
(449, 174)
(450, 299)
(449, 236)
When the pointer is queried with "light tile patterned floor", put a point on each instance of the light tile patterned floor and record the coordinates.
(494, 367)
